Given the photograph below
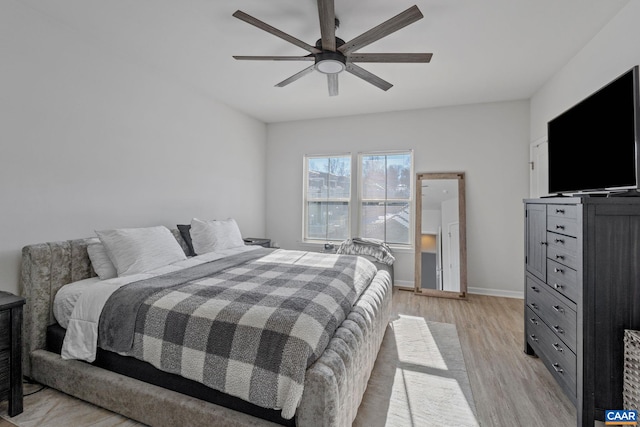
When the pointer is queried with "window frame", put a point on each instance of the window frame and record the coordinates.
(411, 200)
(305, 198)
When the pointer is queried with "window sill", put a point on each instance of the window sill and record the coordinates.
(402, 249)
(319, 244)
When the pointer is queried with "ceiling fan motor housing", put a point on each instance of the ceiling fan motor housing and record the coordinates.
(330, 62)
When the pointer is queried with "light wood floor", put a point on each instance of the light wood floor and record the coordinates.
(509, 387)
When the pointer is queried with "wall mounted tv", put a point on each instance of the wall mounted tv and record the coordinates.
(593, 146)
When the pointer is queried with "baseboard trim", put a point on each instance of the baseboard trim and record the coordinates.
(496, 293)
(473, 290)
(403, 283)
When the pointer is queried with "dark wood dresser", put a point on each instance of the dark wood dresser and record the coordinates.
(11, 351)
(582, 290)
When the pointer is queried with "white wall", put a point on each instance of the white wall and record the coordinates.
(90, 140)
(614, 50)
(487, 141)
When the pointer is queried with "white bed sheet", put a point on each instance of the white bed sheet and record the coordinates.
(66, 298)
(77, 305)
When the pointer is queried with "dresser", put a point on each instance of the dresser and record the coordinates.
(11, 351)
(582, 290)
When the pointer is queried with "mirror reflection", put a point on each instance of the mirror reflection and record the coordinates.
(440, 235)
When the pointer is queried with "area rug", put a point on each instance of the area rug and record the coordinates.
(419, 379)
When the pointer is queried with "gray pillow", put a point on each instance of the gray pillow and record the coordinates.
(186, 236)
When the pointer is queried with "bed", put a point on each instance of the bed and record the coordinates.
(333, 384)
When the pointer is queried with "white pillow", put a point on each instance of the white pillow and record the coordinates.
(101, 262)
(137, 250)
(212, 236)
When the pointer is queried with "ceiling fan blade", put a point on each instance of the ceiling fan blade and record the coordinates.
(296, 76)
(269, 29)
(326, 11)
(332, 81)
(390, 57)
(371, 78)
(275, 58)
(390, 26)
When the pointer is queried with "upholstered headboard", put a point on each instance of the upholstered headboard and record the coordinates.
(46, 267)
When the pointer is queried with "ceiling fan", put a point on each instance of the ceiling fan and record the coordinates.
(332, 55)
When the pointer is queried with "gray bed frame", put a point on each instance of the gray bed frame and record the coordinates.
(334, 384)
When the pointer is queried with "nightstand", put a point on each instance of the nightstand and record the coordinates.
(258, 242)
(11, 351)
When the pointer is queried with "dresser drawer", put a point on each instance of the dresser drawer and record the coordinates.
(5, 329)
(558, 315)
(562, 211)
(560, 360)
(563, 226)
(563, 249)
(563, 279)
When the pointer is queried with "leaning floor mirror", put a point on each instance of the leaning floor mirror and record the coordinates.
(440, 240)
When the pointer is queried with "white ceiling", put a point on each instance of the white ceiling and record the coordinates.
(484, 51)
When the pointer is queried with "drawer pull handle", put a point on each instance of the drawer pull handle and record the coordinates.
(533, 338)
(558, 309)
(534, 321)
(559, 256)
(543, 243)
(534, 306)
(558, 286)
(558, 270)
(560, 211)
(559, 241)
(535, 289)
(557, 347)
(559, 227)
(558, 329)
(557, 368)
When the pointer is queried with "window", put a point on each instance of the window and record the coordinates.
(327, 194)
(386, 196)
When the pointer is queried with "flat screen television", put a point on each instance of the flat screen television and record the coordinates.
(593, 146)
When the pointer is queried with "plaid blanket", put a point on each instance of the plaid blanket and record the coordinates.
(250, 330)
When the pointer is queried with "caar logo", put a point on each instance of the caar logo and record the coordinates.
(621, 417)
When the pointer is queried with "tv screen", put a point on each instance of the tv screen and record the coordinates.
(592, 146)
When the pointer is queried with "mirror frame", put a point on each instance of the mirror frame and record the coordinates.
(460, 177)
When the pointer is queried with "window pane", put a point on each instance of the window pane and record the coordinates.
(398, 176)
(372, 220)
(327, 220)
(398, 223)
(338, 228)
(328, 178)
(373, 177)
(386, 221)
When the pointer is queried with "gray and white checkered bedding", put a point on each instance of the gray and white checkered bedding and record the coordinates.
(250, 330)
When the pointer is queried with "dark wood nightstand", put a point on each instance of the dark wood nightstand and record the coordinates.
(11, 351)
(258, 242)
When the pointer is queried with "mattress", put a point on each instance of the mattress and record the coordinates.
(143, 371)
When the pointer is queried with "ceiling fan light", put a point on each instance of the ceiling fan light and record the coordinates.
(330, 66)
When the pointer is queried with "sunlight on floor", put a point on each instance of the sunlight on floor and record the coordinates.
(416, 344)
(426, 387)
